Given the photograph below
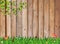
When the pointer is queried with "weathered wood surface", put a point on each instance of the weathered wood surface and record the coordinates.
(35, 18)
(46, 18)
(52, 17)
(13, 22)
(24, 20)
(30, 18)
(8, 20)
(19, 20)
(57, 17)
(40, 18)
(2, 21)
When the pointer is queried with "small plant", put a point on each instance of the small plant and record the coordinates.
(8, 5)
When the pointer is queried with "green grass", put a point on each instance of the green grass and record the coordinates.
(20, 40)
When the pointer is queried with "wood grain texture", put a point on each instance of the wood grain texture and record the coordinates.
(46, 18)
(8, 25)
(19, 20)
(51, 17)
(30, 15)
(13, 23)
(24, 20)
(57, 17)
(41, 19)
(2, 25)
(35, 19)
(9, 22)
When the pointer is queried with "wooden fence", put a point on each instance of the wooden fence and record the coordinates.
(39, 19)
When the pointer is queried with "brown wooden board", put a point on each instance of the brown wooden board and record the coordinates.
(9, 21)
(13, 23)
(30, 18)
(19, 20)
(24, 20)
(57, 17)
(2, 21)
(41, 19)
(51, 17)
(35, 19)
(46, 18)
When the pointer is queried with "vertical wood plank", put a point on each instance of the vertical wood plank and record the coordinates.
(41, 19)
(35, 19)
(57, 17)
(2, 25)
(19, 20)
(9, 22)
(13, 23)
(46, 18)
(51, 17)
(24, 21)
(8, 25)
(30, 26)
